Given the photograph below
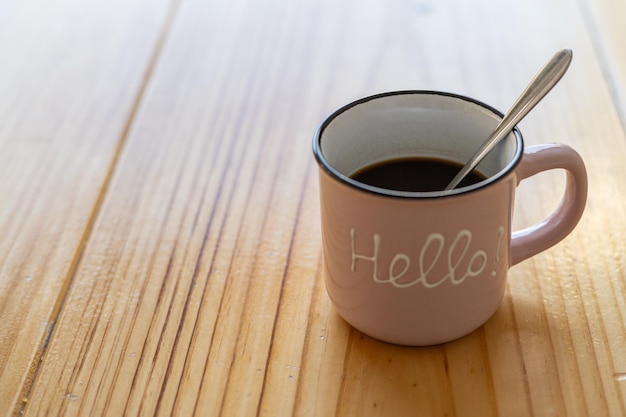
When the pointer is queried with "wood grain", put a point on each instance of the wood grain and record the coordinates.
(603, 19)
(69, 79)
(185, 258)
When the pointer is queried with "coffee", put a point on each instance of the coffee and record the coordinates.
(414, 174)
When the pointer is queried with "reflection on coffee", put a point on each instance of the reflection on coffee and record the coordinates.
(414, 174)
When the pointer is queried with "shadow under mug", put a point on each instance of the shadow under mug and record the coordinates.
(422, 268)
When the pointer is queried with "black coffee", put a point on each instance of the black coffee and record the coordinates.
(414, 174)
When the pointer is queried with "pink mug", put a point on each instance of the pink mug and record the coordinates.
(422, 268)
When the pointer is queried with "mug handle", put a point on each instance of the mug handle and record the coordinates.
(539, 237)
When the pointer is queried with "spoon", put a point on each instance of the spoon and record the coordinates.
(543, 82)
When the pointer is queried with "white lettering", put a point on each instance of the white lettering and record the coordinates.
(423, 278)
(430, 256)
(499, 244)
(373, 258)
(393, 278)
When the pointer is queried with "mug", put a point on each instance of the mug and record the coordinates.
(423, 268)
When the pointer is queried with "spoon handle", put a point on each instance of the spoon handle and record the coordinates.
(543, 82)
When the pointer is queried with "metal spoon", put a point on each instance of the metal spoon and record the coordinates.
(543, 82)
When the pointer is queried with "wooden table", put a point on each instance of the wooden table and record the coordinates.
(160, 249)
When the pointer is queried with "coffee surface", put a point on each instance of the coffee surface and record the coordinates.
(414, 174)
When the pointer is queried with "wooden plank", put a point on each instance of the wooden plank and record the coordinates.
(70, 74)
(604, 20)
(193, 199)
(200, 290)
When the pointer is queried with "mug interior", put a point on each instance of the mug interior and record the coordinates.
(413, 124)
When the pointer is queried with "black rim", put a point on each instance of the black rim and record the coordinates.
(323, 163)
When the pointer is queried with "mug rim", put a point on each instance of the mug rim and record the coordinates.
(334, 173)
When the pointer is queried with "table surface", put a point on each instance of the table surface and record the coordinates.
(160, 249)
